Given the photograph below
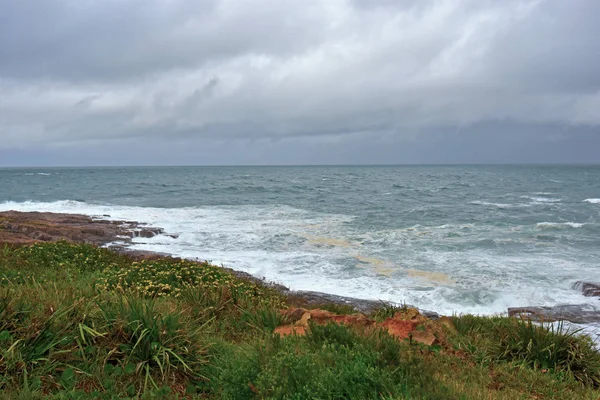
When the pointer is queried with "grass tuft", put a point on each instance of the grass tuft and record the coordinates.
(546, 347)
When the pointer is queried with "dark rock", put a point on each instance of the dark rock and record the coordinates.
(146, 232)
(41, 236)
(576, 313)
(589, 289)
(94, 231)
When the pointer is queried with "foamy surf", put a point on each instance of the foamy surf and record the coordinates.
(538, 199)
(558, 225)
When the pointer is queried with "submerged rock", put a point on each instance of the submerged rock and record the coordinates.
(589, 289)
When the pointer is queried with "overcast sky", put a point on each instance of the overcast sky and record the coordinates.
(167, 82)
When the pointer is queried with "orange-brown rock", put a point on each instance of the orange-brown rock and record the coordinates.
(399, 328)
(301, 316)
(304, 320)
(402, 325)
(353, 319)
(411, 314)
(293, 314)
(321, 316)
(290, 330)
(424, 337)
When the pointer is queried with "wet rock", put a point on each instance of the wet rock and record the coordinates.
(589, 289)
(576, 313)
(19, 228)
(147, 232)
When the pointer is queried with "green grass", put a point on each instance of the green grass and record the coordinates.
(79, 322)
(545, 347)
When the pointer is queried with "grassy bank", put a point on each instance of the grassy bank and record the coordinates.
(81, 322)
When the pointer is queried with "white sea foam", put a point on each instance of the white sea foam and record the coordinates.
(538, 199)
(592, 201)
(498, 205)
(554, 225)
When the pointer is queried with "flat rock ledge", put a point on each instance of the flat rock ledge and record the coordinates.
(23, 228)
(576, 313)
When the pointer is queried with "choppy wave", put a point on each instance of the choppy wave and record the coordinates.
(538, 199)
(498, 205)
(592, 201)
(555, 225)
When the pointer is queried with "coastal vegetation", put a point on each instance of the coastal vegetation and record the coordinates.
(79, 322)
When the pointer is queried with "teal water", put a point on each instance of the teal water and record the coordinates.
(445, 238)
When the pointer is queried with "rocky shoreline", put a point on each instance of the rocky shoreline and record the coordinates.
(24, 228)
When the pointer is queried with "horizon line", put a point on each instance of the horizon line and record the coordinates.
(312, 165)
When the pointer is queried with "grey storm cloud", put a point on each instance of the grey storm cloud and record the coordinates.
(77, 72)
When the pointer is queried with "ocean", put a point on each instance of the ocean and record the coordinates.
(450, 239)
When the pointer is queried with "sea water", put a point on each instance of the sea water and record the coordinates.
(451, 239)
